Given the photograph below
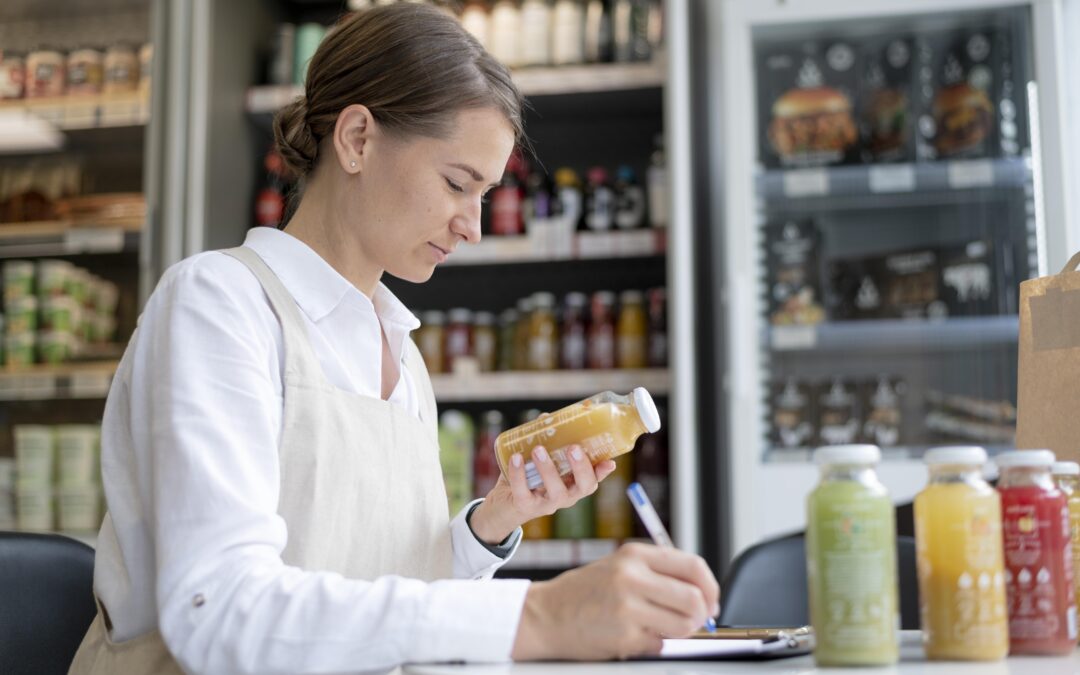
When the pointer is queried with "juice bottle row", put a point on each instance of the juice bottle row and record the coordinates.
(995, 566)
(470, 453)
(579, 333)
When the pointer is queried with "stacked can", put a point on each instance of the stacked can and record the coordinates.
(78, 477)
(35, 467)
(20, 313)
(7, 493)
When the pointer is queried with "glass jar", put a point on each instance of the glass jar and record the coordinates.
(458, 342)
(543, 334)
(121, 68)
(430, 339)
(485, 341)
(601, 347)
(1038, 556)
(851, 560)
(85, 71)
(1067, 477)
(521, 334)
(12, 75)
(632, 332)
(960, 560)
(573, 336)
(45, 69)
(508, 321)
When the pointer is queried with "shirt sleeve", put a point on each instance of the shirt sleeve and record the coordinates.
(475, 559)
(203, 403)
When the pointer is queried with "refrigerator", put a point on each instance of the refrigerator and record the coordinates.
(873, 182)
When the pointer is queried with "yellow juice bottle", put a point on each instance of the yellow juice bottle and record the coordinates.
(605, 425)
(958, 544)
(1067, 476)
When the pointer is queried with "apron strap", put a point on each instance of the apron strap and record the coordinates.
(300, 359)
(1073, 263)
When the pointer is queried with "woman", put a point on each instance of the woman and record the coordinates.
(269, 450)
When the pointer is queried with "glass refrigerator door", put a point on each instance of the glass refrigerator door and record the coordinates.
(896, 208)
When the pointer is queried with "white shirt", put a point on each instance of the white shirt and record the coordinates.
(191, 475)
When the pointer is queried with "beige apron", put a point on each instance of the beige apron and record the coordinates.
(361, 486)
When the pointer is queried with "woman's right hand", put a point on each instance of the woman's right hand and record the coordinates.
(617, 607)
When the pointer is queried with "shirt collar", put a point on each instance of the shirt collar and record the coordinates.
(316, 286)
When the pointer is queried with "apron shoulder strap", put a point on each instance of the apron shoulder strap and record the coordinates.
(414, 361)
(299, 356)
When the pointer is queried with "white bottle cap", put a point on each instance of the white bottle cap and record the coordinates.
(1066, 469)
(647, 409)
(956, 454)
(1036, 459)
(847, 454)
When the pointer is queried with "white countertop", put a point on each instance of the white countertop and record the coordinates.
(911, 662)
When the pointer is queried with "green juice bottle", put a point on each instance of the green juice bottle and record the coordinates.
(851, 561)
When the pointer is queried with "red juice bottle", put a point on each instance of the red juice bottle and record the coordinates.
(485, 463)
(1038, 556)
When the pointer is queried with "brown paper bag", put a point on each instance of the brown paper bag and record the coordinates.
(1048, 369)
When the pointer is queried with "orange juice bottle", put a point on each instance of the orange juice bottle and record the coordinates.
(1067, 476)
(958, 546)
(605, 425)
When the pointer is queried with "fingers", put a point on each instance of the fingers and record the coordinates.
(676, 597)
(553, 483)
(604, 469)
(585, 477)
(683, 566)
(519, 487)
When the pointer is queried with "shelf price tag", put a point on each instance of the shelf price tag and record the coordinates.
(788, 338)
(971, 173)
(898, 178)
(806, 183)
(94, 240)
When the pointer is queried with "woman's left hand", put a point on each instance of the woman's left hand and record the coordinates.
(511, 503)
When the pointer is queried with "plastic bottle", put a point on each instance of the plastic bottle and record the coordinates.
(573, 340)
(656, 184)
(568, 39)
(568, 196)
(1038, 555)
(543, 334)
(476, 19)
(599, 201)
(456, 443)
(960, 560)
(536, 18)
(605, 425)
(629, 200)
(505, 32)
(485, 465)
(601, 335)
(851, 560)
(632, 331)
(1067, 476)
(544, 526)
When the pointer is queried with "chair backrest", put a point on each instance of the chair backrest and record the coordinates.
(46, 601)
(767, 585)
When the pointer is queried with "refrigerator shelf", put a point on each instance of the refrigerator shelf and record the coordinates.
(561, 554)
(100, 111)
(548, 385)
(76, 380)
(892, 179)
(893, 334)
(552, 247)
(66, 238)
(267, 99)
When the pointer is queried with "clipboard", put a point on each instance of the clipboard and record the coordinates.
(779, 646)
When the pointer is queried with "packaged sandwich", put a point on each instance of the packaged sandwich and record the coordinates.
(887, 100)
(794, 276)
(806, 103)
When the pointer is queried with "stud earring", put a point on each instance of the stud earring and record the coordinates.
(352, 164)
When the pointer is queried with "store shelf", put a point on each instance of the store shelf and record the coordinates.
(550, 385)
(892, 179)
(899, 455)
(64, 238)
(560, 554)
(87, 112)
(955, 333)
(541, 247)
(53, 382)
(268, 99)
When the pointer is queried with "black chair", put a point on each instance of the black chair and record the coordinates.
(767, 585)
(46, 601)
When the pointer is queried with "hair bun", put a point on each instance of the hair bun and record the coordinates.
(294, 139)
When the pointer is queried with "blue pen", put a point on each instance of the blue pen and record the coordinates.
(651, 519)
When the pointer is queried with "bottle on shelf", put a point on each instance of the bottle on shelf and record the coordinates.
(506, 206)
(574, 333)
(632, 331)
(521, 334)
(476, 19)
(577, 521)
(485, 341)
(271, 201)
(598, 37)
(601, 346)
(544, 526)
(568, 38)
(658, 340)
(536, 18)
(629, 212)
(431, 340)
(485, 464)
(456, 446)
(543, 334)
(569, 204)
(1067, 476)
(656, 181)
(508, 322)
(458, 343)
(505, 32)
(614, 514)
(599, 201)
(539, 202)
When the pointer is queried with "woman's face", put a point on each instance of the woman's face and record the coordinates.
(420, 197)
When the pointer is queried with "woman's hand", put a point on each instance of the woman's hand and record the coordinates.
(511, 503)
(617, 607)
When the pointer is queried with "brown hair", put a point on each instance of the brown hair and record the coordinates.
(412, 65)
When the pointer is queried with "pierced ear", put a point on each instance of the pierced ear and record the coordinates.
(351, 134)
